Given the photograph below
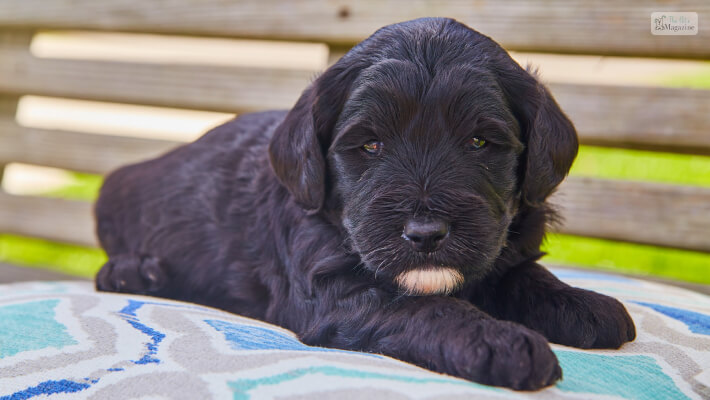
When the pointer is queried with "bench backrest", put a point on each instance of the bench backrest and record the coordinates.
(672, 120)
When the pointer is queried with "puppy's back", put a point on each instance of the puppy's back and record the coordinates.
(143, 207)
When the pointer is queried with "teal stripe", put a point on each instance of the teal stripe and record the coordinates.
(241, 387)
(627, 376)
(31, 326)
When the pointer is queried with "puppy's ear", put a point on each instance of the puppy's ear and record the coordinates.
(296, 155)
(299, 144)
(550, 138)
(551, 148)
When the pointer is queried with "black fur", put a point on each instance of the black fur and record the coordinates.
(283, 217)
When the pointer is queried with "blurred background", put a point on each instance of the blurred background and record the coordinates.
(89, 87)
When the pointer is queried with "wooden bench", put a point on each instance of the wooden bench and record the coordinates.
(671, 120)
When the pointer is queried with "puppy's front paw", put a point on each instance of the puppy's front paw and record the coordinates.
(587, 319)
(132, 274)
(511, 355)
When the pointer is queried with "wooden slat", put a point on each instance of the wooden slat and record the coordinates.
(8, 107)
(18, 38)
(664, 119)
(640, 212)
(190, 86)
(649, 213)
(598, 27)
(74, 150)
(8, 104)
(12, 273)
(54, 219)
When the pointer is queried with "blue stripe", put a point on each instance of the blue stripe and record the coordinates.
(47, 387)
(128, 313)
(696, 322)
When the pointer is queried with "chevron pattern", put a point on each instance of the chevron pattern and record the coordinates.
(63, 340)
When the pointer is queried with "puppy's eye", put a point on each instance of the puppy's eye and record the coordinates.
(372, 147)
(476, 143)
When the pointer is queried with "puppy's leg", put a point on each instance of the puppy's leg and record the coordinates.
(131, 273)
(532, 296)
(439, 333)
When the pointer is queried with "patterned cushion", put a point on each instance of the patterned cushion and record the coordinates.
(63, 340)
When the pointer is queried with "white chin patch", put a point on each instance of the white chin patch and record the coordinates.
(422, 282)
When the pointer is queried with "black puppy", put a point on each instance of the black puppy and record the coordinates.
(398, 208)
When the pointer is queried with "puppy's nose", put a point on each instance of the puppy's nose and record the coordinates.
(425, 234)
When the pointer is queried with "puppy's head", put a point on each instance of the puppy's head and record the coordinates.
(426, 139)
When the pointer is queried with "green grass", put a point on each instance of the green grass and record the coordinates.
(68, 259)
(627, 258)
(698, 80)
(60, 257)
(609, 163)
(83, 187)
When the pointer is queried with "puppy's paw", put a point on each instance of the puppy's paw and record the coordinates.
(586, 319)
(132, 274)
(511, 355)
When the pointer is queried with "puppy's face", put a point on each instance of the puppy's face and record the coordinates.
(425, 162)
(426, 140)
